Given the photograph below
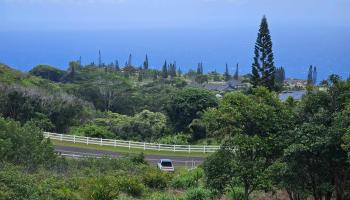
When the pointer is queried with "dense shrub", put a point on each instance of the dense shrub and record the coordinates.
(155, 179)
(174, 139)
(15, 185)
(197, 194)
(144, 126)
(138, 159)
(187, 105)
(43, 122)
(103, 188)
(56, 188)
(48, 72)
(187, 179)
(236, 193)
(24, 145)
(24, 103)
(92, 130)
(197, 129)
(164, 196)
(131, 185)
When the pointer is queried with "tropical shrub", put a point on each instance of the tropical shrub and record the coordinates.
(187, 179)
(24, 145)
(155, 178)
(92, 130)
(131, 185)
(198, 193)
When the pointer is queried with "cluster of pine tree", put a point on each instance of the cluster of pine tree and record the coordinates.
(312, 75)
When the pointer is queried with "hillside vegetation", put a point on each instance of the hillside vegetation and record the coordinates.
(295, 149)
(114, 104)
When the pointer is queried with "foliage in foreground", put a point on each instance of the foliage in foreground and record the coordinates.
(300, 147)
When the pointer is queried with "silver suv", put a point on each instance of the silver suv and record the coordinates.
(165, 165)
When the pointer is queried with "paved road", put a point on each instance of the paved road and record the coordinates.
(78, 152)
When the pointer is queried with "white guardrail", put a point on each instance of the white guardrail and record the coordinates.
(132, 144)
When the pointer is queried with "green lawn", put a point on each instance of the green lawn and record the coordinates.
(127, 150)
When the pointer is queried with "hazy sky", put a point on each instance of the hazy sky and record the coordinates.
(168, 14)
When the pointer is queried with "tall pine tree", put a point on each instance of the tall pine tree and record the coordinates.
(200, 69)
(263, 69)
(145, 63)
(99, 59)
(280, 76)
(235, 76)
(130, 60)
(227, 75)
(165, 70)
(314, 76)
(117, 68)
(310, 76)
(172, 70)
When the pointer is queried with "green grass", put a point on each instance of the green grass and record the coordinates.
(129, 151)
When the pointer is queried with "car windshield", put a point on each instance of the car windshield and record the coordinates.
(166, 164)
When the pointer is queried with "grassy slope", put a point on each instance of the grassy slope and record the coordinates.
(127, 150)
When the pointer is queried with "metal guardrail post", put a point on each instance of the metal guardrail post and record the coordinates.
(61, 137)
(115, 143)
(129, 144)
(101, 142)
(74, 139)
(87, 140)
(189, 148)
(144, 146)
(204, 148)
(174, 147)
(158, 147)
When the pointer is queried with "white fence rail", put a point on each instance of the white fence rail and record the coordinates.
(132, 144)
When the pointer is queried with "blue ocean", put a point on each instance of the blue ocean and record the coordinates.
(294, 49)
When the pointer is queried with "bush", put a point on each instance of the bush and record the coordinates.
(24, 145)
(139, 159)
(104, 188)
(143, 126)
(43, 122)
(197, 194)
(155, 179)
(54, 188)
(178, 139)
(131, 186)
(236, 193)
(198, 129)
(16, 185)
(92, 130)
(125, 197)
(163, 196)
(23, 103)
(188, 104)
(48, 72)
(188, 179)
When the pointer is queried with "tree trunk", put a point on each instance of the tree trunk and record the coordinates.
(328, 196)
(290, 194)
(246, 192)
(339, 185)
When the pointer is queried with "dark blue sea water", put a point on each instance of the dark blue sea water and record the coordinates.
(295, 49)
